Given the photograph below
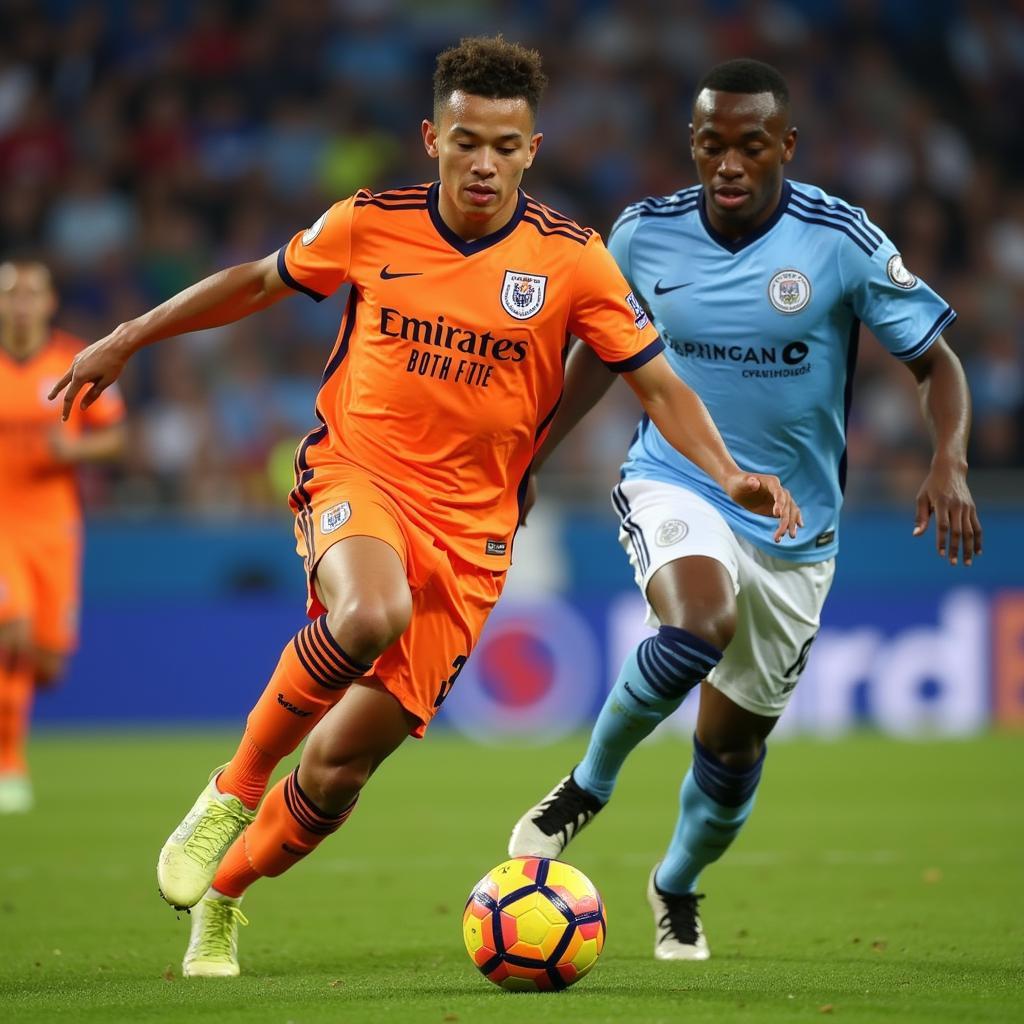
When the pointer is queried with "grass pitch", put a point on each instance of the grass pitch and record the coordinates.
(877, 881)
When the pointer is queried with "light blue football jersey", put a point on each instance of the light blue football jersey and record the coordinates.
(765, 331)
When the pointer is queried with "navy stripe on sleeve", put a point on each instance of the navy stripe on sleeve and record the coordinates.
(286, 276)
(835, 225)
(946, 317)
(848, 220)
(841, 211)
(634, 362)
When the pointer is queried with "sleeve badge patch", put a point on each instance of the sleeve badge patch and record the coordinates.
(335, 517)
(640, 317)
(314, 229)
(898, 274)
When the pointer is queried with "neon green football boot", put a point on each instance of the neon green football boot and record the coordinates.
(15, 793)
(193, 851)
(213, 946)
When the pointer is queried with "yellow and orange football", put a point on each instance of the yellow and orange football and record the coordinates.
(534, 925)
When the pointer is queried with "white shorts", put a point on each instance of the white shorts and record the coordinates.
(778, 601)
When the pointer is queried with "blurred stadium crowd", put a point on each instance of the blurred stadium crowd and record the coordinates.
(146, 143)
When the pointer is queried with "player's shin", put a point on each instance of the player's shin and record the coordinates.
(16, 691)
(714, 802)
(289, 826)
(311, 677)
(652, 683)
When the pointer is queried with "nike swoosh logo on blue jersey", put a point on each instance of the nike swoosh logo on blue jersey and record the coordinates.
(387, 275)
(658, 290)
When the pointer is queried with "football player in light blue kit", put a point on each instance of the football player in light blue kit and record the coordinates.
(758, 286)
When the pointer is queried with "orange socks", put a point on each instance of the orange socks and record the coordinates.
(16, 691)
(311, 676)
(288, 827)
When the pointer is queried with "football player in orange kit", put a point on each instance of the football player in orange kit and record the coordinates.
(40, 516)
(442, 382)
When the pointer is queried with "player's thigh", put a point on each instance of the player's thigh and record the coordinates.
(449, 612)
(16, 604)
(16, 596)
(695, 593)
(683, 554)
(363, 572)
(779, 612)
(53, 562)
(355, 544)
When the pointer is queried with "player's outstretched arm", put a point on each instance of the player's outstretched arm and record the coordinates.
(587, 380)
(686, 424)
(946, 404)
(99, 444)
(217, 300)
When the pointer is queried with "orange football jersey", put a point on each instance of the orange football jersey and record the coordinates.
(38, 491)
(448, 366)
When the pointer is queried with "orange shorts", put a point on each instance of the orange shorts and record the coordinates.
(451, 599)
(39, 581)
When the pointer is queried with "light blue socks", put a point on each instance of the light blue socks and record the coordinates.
(652, 683)
(714, 802)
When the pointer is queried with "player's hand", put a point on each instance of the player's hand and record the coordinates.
(529, 500)
(62, 447)
(945, 492)
(15, 644)
(765, 495)
(99, 365)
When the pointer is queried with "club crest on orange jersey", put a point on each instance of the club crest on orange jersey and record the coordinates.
(335, 517)
(522, 295)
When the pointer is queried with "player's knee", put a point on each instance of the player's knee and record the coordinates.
(333, 784)
(366, 627)
(735, 751)
(714, 624)
(48, 668)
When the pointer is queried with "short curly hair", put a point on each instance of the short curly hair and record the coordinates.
(746, 76)
(491, 67)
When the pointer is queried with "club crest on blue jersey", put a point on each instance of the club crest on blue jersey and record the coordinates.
(898, 274)
(522, 295)
(335, 517)
(789, 291)
(640, 317)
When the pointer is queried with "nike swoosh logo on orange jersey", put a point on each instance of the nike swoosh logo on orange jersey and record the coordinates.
(658, 290)
(387, 275)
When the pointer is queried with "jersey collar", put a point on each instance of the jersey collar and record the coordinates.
(734, 245)
(477, 244)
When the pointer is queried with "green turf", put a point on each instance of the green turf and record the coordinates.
(878, 881)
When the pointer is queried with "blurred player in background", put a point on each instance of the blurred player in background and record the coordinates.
(40, 515)
(758, 287)
(445, 375)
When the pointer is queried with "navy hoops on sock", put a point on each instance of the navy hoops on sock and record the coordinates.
(652, 683)
(714, 802)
